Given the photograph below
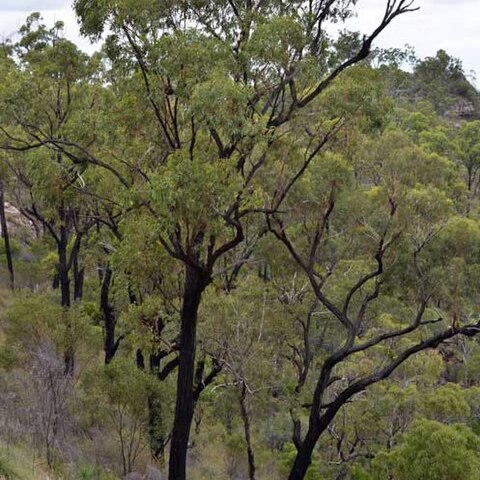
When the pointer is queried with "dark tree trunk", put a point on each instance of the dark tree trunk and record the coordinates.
(5, 236)
(302, 462)
(246, 430)
(317, 425)
(305, 449)
(140, 359)
(156, 429)
(62, 268)
(64, 282)
(469, 177)
(110, 322)
(78, 272)
(195, 283)
(78, 276)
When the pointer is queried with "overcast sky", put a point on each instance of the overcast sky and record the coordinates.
(453, 25)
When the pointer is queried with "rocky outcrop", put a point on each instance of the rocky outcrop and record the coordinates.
(463, 109)
(19, 227)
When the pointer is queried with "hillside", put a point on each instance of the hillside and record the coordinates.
(240, 249)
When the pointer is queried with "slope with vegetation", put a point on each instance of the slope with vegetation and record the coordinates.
(248, 249)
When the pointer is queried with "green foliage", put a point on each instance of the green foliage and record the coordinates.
(439, 79)
(15, 247)
(33, 319)
(89, 472)
(430, 450)
(190, 179)
(5, 470)
(117, 387)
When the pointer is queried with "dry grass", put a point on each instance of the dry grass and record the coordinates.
(18, 463)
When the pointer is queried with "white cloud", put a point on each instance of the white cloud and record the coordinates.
(31, 5)
(449, 24)
(11, 19)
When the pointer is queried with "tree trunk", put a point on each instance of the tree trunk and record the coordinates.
(64, 281)
(62, 268)
(78, 276)
(303, 458)
(109, 344)
(470, 175)
(77, 270)
(300, 465)
(246, 429)
(195, 283)
(5, 236)
(156, 429)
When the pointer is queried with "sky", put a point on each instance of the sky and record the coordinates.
(453, 25)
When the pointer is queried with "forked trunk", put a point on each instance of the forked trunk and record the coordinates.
(303, 458)
(300, 465)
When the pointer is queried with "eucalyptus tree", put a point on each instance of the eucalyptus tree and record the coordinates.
(442, 80)
(425, 453)
(378, 270)
(222, 81)
(469, 151)
(49, 81)
(5, 235)
(219, 94)
(6, 64)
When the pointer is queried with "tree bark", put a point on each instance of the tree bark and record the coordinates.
(246, 429)
(470, 178)
(64, 282)
(62, 267)
(78, 274)
(110, 345)
(156, 429)
(5, 236)
(303, 458)
(195, 283)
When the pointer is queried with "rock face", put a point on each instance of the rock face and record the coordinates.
(19, 227)
(465, 109)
